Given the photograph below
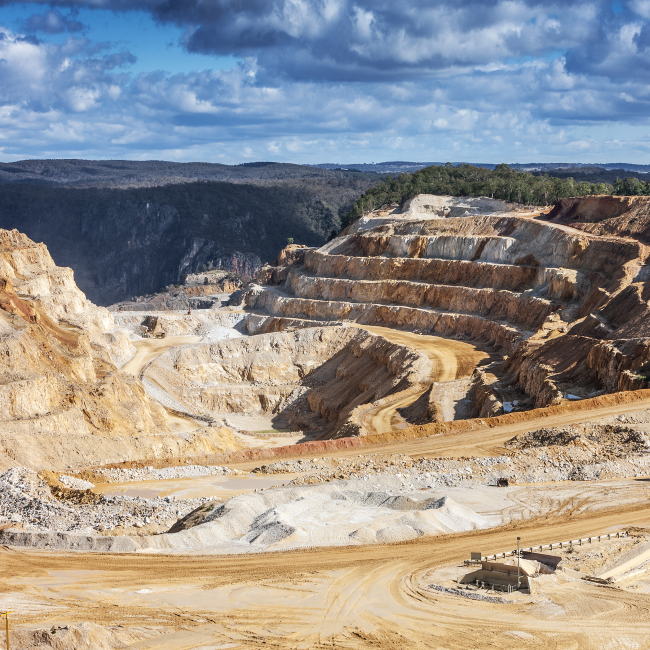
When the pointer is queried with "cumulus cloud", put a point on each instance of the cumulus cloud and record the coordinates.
(52, 22)
(351, 39)
(319, 76)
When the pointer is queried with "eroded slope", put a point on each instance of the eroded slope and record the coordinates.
(569, 309)
(63, 400)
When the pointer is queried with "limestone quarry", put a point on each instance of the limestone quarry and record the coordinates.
(316, 458)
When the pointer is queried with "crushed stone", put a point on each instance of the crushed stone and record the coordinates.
(26, 499)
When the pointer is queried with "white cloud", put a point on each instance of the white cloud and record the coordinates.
(332, 77)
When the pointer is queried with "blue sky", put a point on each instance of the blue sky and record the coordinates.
(326, 80)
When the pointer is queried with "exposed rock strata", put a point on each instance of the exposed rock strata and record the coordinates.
(290, 257)
(623, 216)
(63, 400)
(323, 371)
(544, 295)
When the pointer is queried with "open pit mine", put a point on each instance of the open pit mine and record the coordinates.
(432, 432)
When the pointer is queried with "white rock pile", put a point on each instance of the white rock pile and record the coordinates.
(128, 475)
(324, 515)
(26, 499)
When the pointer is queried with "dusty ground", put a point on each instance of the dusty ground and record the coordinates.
(379, 595)
(375, 596)
(149, 349)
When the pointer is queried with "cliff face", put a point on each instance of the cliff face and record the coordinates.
(623, 216)
(569, 307)
(312, 378)
(63, 400)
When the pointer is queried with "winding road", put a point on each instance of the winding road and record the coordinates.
(450, 360)
(346, 597)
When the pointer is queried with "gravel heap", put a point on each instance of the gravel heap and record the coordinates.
(75, 483)
(607, 441)
(150, 474)
(533, 465)
(26, 499)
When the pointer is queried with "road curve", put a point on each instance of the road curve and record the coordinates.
(450, 360)
(150, 349)
(346, 597)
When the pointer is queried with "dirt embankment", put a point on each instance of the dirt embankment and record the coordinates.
(65, 403)
(311, 378)
(621, 216)
(528, 312)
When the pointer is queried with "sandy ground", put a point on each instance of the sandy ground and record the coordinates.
(222, 487)
(484, 442)
(366, 597)
(264, 430)
(149, 349)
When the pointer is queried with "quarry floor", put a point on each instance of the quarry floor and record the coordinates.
(372, 596)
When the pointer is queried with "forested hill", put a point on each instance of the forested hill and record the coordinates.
(154, 173)
(127, 242)
(502, 182)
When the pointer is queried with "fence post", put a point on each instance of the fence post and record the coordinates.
(6, 615)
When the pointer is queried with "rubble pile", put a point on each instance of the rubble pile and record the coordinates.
(606, 441)
(27, 500)
(128, 475)
(532, 465)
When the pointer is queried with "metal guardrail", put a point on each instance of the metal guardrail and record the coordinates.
(550, 547)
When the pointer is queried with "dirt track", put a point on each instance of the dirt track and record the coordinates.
(451, 360)
(149, 349)
(373, 596)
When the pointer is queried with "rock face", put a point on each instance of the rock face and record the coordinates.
(623, 216)
(313, 378)
(290, 257)
(198, 291)
(568, 306)
(63, 400)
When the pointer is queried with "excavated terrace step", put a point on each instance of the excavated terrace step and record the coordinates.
(529, 312)
(555, 283)
(503, 336)
(525, 244)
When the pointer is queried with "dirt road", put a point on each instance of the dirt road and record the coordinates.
(450, 360)
(149, 349)
(366, 597)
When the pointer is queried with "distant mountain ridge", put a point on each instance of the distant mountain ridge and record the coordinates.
(130, 228)
(400, 166)
(156, 173)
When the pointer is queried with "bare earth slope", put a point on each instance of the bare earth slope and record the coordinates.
(482, 340)
(567, 308)
(63, 400)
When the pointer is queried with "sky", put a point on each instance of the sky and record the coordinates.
(314, 81)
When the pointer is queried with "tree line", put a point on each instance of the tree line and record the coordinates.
(502, 182)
